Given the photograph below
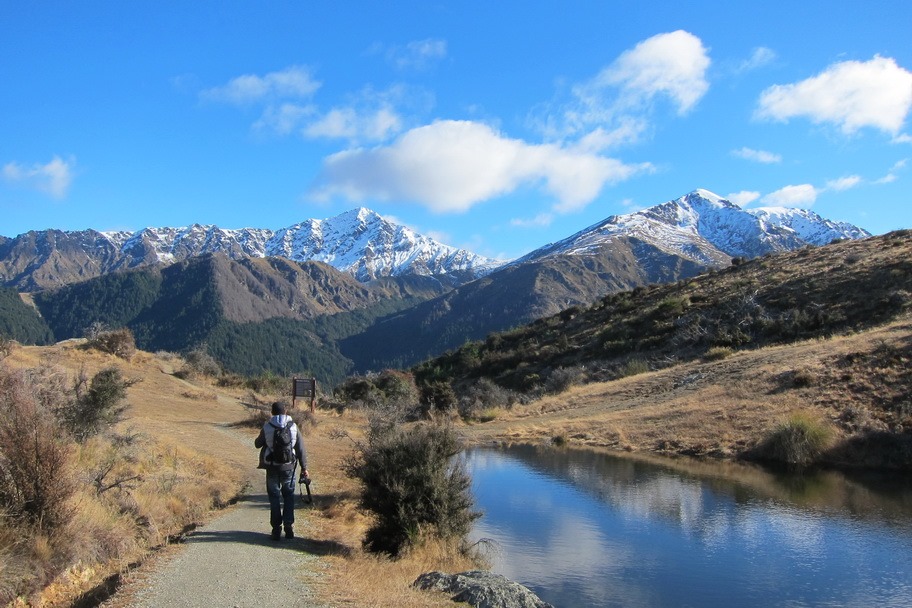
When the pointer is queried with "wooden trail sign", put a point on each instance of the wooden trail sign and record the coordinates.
(305, 388)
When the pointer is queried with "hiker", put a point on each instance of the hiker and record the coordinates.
(281, 449)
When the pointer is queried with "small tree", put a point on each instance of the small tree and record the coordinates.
(99, 403)
(412, 484)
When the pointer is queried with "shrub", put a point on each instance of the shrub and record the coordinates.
(198, 362)
(563, 378)
(118, 342)
(717, 353)
(412, 484)
(634, 367)
(99, 404)
(438, 396)
(798, 441)
(35, 478)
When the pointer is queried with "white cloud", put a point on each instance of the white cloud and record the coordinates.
(542, 220)
(760, 156)
(449, 166)
(803, 195)
(844, 183)
(672, 64)
(53, 178)
(851, 94)
(295, 82)
(902, 138)
(760, 57)
(743, 198)
(418, 54)
(611, 108)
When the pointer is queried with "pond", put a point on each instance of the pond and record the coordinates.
(583, 528)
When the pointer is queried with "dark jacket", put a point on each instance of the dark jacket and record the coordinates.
(264, 442)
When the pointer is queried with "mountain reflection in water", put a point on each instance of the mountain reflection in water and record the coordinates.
(584, 528)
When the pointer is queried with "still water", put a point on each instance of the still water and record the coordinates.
(593, 529)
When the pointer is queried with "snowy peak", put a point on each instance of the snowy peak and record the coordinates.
(704, 227)
(359, 242)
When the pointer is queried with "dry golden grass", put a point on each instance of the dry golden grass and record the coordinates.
(722, 407)
(168, 414)
(719, 407)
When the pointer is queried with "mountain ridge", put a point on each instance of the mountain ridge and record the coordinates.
(359, 242)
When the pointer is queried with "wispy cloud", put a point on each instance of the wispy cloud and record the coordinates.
(613, 106)
(743, 198)
(294, 82)
(53, 178)
(892, 174)
(844, 183)
(542, 220)
(850, 94)
(285, 118)
(347, 123)
(802, 195)
(450, 166)
(759, 156)
(416, 55)
(760, 57)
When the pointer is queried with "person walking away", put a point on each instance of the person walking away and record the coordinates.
(281, 449)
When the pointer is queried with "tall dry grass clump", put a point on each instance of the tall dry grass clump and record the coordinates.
(798, 441)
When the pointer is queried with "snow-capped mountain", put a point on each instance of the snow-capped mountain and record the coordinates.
(358, 242)
(707, 229)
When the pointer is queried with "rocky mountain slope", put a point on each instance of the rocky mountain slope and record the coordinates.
(383, 296)
(358, 242)
(706, 229)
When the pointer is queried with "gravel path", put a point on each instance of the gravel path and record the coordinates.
(232, 562)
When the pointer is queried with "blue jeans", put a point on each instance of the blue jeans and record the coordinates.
(280, 486)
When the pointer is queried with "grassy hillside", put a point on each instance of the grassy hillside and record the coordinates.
(711, 365)
(811, 293)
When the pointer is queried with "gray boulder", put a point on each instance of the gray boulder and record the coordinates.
(481, 589)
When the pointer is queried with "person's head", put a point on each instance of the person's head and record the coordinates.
(278, 408)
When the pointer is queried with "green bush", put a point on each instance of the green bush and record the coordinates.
(413, 485)
(634, 367)
(717, 353)
(99, 404)
(438, 396)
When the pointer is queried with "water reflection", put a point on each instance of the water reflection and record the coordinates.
(592, 529)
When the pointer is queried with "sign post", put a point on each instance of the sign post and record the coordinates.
(306, 388)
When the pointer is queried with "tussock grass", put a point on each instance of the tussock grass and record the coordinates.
(798, 441)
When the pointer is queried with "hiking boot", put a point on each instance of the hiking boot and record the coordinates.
(289, 532)
(276, 533)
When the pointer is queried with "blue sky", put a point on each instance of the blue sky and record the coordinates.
(495, 126)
